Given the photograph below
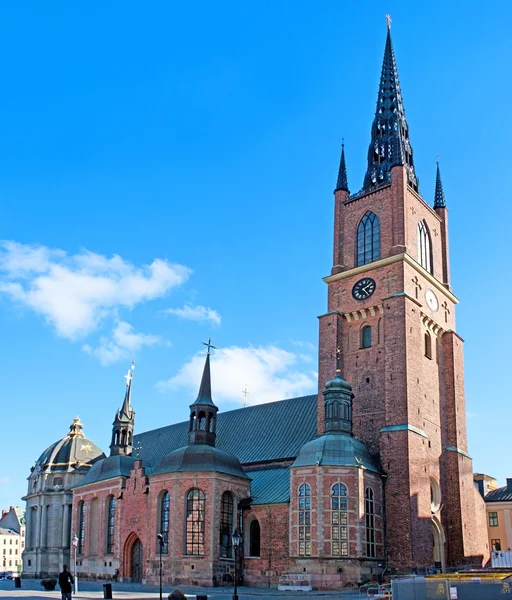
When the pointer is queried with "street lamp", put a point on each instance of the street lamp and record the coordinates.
(161, 544)
(75, 546)
(236, 538)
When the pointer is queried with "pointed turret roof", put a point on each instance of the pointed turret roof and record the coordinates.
(439, 201)
(389, 145)
(204, 397)
(126, 412)
(342, 183)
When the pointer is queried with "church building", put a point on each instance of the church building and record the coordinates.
(370, 476)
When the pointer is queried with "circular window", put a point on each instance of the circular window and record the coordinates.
(435, 496)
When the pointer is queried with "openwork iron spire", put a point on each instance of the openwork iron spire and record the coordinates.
(342, 183)
(439, 201)
(389, 145)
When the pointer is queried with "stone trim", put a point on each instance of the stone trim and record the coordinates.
(363, 313)
(404, 427)
(458, 450)
(431, 325)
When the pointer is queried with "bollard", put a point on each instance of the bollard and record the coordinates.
(201, 597)
(17, 582)
(107, 591)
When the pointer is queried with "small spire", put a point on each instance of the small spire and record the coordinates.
(203, 412)
(126, 409)
(205, 389)
(439, 201)
(342, 183)
(75, 429)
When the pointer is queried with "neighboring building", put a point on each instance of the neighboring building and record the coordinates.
(12, 538)
(371, 474)
(498, 504)
(49, 500)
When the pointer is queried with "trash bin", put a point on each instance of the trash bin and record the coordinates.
(107, 591)
(17, 582)
(201, 597)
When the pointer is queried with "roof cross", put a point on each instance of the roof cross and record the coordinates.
(129, 375)
(245, 393)
(209, 345)
(389, 20)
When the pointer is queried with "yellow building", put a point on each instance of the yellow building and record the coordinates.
(12, 539)
(498, 505)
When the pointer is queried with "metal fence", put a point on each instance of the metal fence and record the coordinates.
(420, 588)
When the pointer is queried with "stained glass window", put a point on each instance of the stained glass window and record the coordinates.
(165, 504)
(194, 534)
(424, 247)
(81, 527)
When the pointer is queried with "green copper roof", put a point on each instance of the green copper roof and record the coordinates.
(254, 434)
(112, 466)
(335, 449)
(270, 486)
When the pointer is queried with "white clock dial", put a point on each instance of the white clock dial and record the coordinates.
(431, 300)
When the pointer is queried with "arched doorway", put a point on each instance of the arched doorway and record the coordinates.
(136, 561)
(438, 543)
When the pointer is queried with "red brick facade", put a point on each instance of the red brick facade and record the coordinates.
(409, 408)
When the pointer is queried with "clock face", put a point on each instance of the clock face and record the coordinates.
(431, 300)
(363, 288)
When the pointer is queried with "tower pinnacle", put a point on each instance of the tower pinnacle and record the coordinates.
(342, 183)
(124, 421)
(439, 201)
(203, 412)
(389, 145)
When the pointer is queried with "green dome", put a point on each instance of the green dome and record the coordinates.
(338, 384)
(336, 450)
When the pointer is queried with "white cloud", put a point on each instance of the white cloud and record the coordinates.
(76, 292)
(269, 372)
(5, 480)
(195, 313)
(123, 344)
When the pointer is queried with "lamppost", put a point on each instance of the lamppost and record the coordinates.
(75, 546)
(236, 538)
(161, 544)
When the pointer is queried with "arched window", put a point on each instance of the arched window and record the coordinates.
(111, 518)
(368, 239)
(254, 538)
(369, 514)
(194, 523)
(428, 345)
(81, 527)
(165, 503)
(339, 520)
(304, 520)
(226, 525)
(424, 247)
(366, 336)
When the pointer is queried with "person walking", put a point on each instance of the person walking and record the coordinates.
(66, 580)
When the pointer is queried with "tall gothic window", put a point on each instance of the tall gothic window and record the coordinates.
(339, 520)
(81, 527)
(111, 519)
(369, 515)
(165, 503)
(366, 337)
(368, 239)
(194, 534)
(226, 525)
(254, 538)
(424, 247)
(304, 520)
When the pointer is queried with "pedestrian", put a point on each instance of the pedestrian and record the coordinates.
(66, 580)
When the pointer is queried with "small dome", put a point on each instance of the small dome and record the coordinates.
(200, 457)
(73, 450)
(335, 449)
(117, 465)
(338, 384)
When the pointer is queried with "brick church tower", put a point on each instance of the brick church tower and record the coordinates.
(391, 315)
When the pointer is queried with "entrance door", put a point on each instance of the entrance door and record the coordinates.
(137, 561)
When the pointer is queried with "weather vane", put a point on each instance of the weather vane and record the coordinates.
(209, 345)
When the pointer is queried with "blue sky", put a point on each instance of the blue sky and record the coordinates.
(166, 174)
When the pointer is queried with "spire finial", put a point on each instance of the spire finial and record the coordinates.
(338, 359)
(209, 345)
(342, 182)
(129, 375)
(439, 200)
(389, 21)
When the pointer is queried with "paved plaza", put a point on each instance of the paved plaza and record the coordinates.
(88, 590)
